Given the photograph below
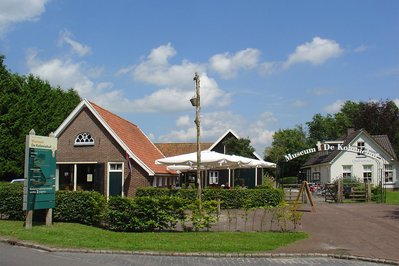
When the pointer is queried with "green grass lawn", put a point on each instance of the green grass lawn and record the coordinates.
(68, 235)
(393, 197)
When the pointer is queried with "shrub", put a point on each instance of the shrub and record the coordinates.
(204, 216)
(245, 198)
(235, 198)
(289, 180)
(120, 215)
(11, 199)
(144, 213)
(84, 207)
(159, 213)
(189, 194)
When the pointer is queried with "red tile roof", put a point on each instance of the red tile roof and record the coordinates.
(172, 149)
(134, 138)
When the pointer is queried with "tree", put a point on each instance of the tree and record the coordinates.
(27, 103)
(323, 128)
(284, 142)
(377, 118)
(241, 147)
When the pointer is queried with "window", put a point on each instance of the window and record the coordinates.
(84, 139)
(360, 147)
(347, 171)
(213, 177)
(115, 167)
(316, 177)
(367, 172)
(388, 173)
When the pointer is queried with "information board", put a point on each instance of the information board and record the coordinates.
(40, 170)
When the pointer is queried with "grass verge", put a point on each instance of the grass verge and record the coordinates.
(68, 235)
(393, 197)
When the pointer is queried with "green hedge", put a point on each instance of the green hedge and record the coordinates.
(144, 213)
(11, 200)
(230, 198)
(86, 207)
(289, 180)
(188, 194)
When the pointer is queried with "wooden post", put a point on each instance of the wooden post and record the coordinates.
(368, 189)
(28, 220)
(339, 191)
(49, 217)
(198, 123)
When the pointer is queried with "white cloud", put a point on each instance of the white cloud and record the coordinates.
(155, 69)
(396, 101)
(183, 121)
(300, 103)
(77, 48)
(268, 68)
(214, 124)
(166, 99)
(228, 65)
(176, 82)
(334, 107)
(316, 52)
(64, 73)
(362, 48)
(125, 70)
(15, 11)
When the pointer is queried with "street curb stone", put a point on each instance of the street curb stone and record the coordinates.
(15, 242)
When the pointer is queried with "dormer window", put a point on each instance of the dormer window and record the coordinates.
(84, 139)
(360, 148)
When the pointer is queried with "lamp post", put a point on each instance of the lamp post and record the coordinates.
(195, 101)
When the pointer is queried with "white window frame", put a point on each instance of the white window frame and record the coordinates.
(122, 170)
(388, 173)
(213, 177)
(347, 171)
(84, 139)
(368, 171)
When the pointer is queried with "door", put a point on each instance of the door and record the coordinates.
(115, 179)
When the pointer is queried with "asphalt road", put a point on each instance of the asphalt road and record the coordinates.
(21, 256)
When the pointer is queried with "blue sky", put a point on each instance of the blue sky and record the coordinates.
(263, 65)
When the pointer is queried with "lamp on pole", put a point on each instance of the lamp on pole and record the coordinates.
(195, 101)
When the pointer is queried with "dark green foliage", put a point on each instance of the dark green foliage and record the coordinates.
(144, 213)
(120, 215)
(11, 200)
(284, 142)
(230, 198)
(289, 180)
(245, 198)
(377, 118)
(241, 147)
(189, 194)
(85, 207)
(203, 215)
(159, 213)
(27, 103)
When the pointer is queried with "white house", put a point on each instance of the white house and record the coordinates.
(358, 155)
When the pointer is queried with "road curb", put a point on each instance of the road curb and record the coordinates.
(26, 244)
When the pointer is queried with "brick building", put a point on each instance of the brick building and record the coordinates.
(98, 150)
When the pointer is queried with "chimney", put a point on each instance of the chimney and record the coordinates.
(350, 131)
